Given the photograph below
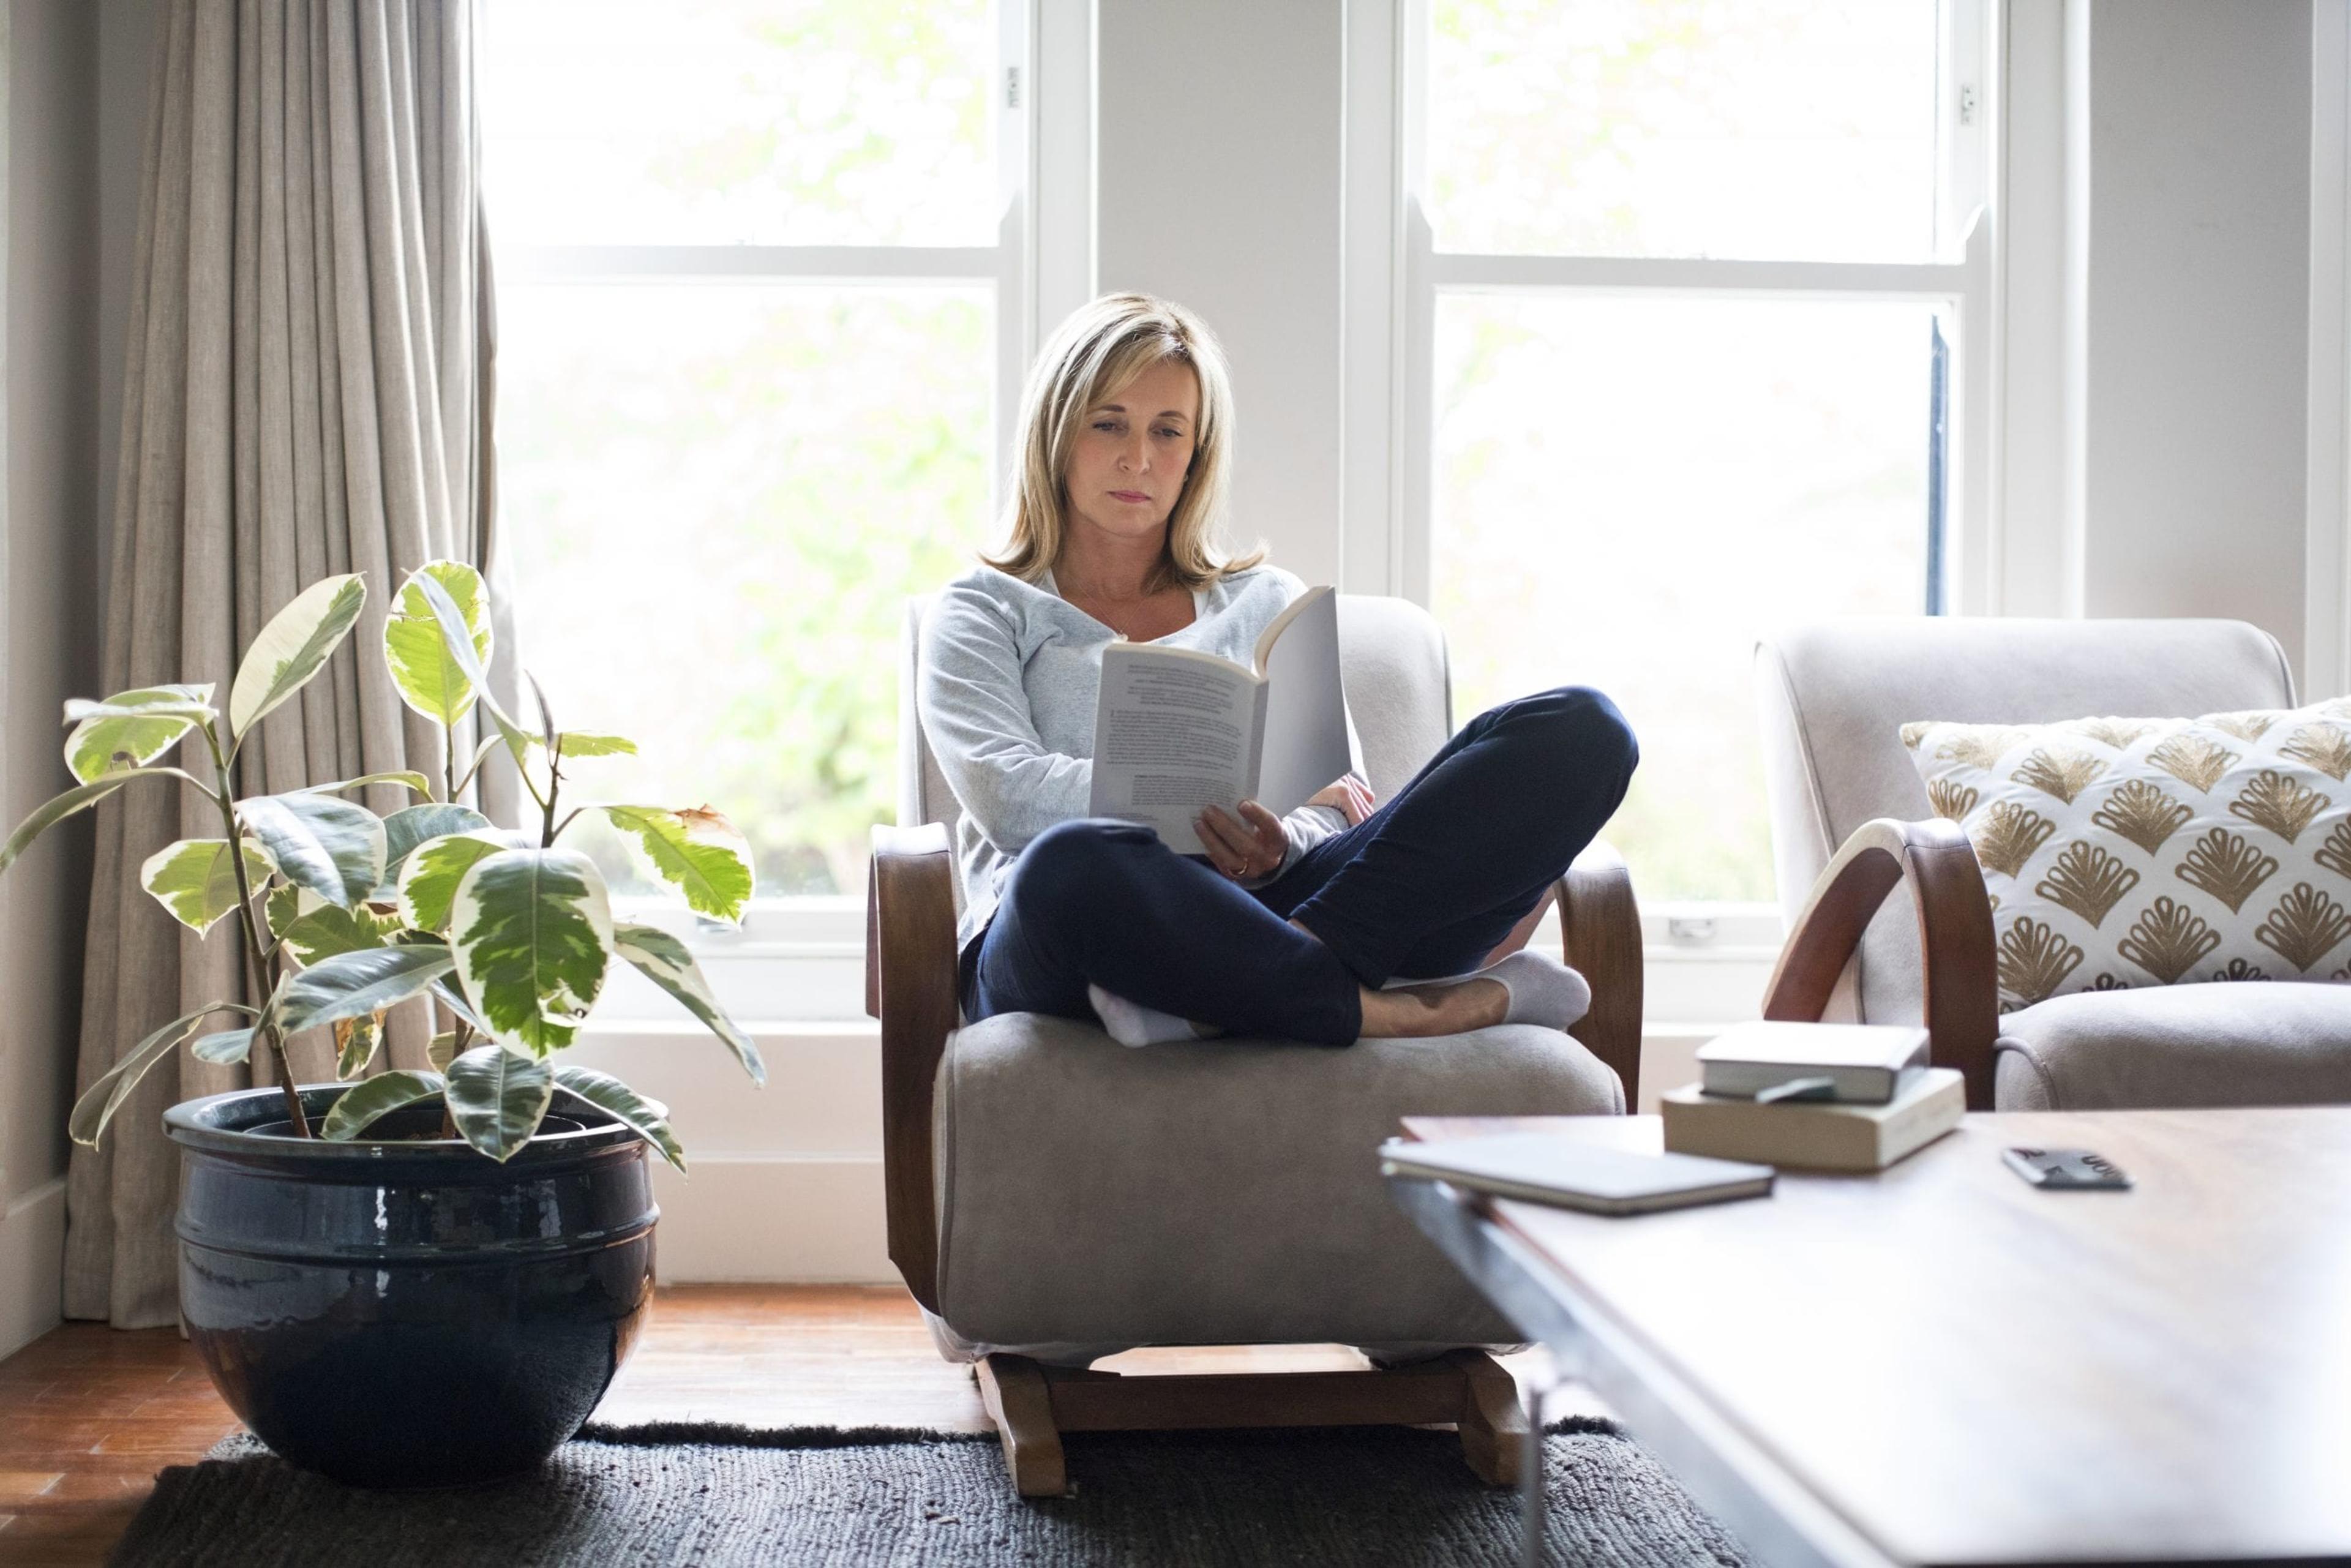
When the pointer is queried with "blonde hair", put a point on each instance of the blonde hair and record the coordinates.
(1092, 357)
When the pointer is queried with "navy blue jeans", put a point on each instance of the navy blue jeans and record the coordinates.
(1424, 887)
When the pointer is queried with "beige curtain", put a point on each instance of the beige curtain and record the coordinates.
(305, 393)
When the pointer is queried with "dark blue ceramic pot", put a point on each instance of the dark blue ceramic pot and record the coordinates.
(409, 1313)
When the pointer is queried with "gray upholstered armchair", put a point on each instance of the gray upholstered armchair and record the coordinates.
(1850, 821)
(1054, 1198)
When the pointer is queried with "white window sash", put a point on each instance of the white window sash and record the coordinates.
(800, 958)
(1395, 277)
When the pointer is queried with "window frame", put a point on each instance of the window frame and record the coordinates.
(1396, 275)
(799, 956)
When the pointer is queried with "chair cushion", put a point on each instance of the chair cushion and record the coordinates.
(2252, 1043)
(1094, 1197)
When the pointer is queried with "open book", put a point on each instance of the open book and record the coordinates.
(1177, 730)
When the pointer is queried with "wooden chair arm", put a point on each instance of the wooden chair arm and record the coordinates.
(910, 986)
(1600, 937)
(1955, 934)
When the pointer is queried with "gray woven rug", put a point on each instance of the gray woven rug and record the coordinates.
(724, 1495)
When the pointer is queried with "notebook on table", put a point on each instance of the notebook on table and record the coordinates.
(1543, 1167)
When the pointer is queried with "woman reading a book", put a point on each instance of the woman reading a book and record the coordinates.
(1297, 927)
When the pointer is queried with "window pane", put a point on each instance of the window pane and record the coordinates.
(1788, 129)
(740, 121)
(719, 499)
(1627, 491)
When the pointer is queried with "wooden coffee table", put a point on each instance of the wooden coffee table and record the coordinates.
(1939, 1363)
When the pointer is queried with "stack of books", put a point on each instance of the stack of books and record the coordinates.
(1812, 1096)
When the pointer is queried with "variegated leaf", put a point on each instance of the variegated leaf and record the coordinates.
(587, 743)
(81, 798)
(292, 647)
(331, 847)
(362, 1105)
(458, 639)
(428, 882)
(442, 1049)
(98, 1104)
(698, 853)
(428, 679)
(192, 701)
(670, 964)
(356, 1040)
(532, 932)
(497, 1099)
(406, 777)
(615, 1099)
(351, 984)
(195, 880)
(319, 930)
(131, 729)
(403, 830)
(229, 1046)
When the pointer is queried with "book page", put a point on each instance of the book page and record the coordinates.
(1175, 731)
(1306, 710)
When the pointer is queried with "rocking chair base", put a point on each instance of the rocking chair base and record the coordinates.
(1032, 1405)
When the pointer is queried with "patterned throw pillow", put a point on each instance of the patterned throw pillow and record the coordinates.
(2143, 851)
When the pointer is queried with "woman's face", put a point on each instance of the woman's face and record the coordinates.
(1128, 463)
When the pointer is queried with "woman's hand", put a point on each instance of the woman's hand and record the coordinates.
(1246, 849)
(1351, 795)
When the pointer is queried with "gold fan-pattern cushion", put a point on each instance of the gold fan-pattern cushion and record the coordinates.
(2146, 852)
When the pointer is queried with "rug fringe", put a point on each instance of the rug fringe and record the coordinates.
(658, 1434)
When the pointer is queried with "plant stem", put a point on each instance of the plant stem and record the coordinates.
(465, 1032)
(546, 828)
(260, 962)
(554, 740)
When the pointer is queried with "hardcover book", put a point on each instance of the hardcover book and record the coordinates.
(1863, 1063)
(1812, 1134)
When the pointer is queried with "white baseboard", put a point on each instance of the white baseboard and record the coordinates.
(773, 1220)
(32, 1265)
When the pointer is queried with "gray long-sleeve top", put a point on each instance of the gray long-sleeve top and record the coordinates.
(1006, 689)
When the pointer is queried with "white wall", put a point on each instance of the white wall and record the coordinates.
(2196, 295)
(1219, 185)
(50, 637)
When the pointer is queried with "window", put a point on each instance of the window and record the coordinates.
(1692, 296)
(758, 265)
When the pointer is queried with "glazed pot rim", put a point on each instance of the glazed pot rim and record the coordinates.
(200, 1123)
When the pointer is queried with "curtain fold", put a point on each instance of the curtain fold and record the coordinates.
(305, 393)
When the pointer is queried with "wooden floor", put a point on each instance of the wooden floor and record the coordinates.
(88, 1413)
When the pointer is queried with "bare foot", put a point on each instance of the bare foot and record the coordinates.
(1413, 1011)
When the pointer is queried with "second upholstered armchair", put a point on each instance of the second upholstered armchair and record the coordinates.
(1851, 820)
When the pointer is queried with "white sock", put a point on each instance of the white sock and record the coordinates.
(1131, 1023)
(1541, 989)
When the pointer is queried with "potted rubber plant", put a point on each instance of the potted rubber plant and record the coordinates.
(409, 1277)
